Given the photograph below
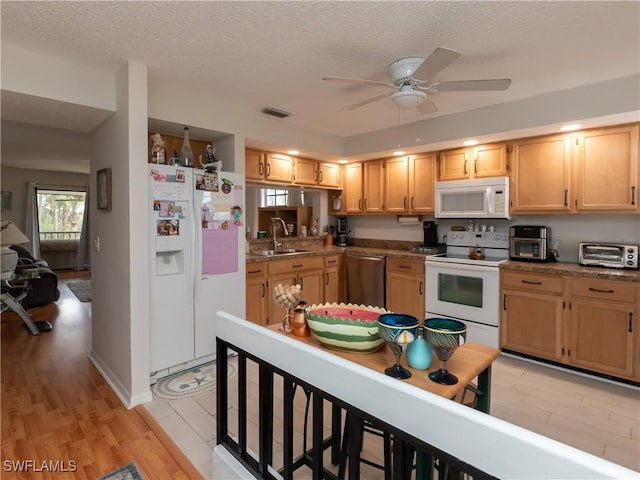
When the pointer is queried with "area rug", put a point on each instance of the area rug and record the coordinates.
(81, 289)
(190, 382)
(128, 472)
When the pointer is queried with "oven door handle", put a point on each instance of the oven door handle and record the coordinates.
(456, 267)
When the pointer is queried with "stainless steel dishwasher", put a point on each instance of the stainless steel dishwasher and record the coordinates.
(366, 277)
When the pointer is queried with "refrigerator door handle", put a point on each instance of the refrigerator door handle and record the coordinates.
(197, 242)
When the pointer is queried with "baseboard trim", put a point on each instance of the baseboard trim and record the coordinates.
(118, 388)
(177, 454)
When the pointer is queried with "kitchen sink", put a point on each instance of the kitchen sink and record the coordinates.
(271, 253)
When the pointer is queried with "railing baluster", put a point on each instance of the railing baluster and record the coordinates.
(318, 423)
(222, 394)
(265, 416)
(289, 393)
(242, 404)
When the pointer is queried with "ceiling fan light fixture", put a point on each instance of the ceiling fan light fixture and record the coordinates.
(408, 98)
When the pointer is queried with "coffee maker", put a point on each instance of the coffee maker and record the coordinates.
(342, 235)
(430, 233)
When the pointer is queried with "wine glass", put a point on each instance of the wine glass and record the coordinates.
(445, 335)
(397, 329)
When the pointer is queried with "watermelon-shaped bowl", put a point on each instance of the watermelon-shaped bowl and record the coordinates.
(346, 327)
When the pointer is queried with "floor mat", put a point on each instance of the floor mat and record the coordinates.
(81, 289)
(190, 382)
(128, 472)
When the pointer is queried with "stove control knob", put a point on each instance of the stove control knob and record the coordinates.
(497, 236)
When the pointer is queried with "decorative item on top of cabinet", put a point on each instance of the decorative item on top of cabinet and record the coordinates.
(173, 143)
(157, 152)
(186, 154)
(481, 161)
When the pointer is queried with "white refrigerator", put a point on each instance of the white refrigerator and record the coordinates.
(197, 257)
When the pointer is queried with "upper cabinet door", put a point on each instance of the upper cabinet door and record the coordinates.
(373, 186)
(254, 165)
(541, 174)
(306, 172)
(397, 185)
(352, 194)
(329, 175)
(454, 164)
(489, 160)
(422, 177)
(607, 169)
(277, 167)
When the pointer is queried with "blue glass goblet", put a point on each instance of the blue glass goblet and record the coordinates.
(445, 335)
(397, 329)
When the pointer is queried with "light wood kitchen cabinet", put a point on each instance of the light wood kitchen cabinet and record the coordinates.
(352, 194)
(305, 271)
(291, 215)
(396, 191)
(257, 305)
(274, 167)
(532, 314)
(305, 171)
(253, 164)
(373, 186)
(405, 292)
(606, 168)
(541, 174)
(329, 175)
(603, 326)
(422, 178)
(334, 284)
(481, 161)
(277, 167)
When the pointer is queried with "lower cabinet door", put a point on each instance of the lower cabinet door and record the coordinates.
(532, 323)
(405, 294)
(602, 337)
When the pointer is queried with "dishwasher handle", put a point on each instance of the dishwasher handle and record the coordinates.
(376, 258)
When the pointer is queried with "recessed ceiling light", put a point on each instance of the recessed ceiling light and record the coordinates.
(397, 153)
(293, 152)
(342, 160)
(569, 128)
(468, 143)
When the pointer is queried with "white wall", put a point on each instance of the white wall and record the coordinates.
(120, 311)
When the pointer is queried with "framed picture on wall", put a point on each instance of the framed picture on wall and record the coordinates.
(104, 189)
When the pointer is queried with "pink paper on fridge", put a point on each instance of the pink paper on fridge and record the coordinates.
(220, 248)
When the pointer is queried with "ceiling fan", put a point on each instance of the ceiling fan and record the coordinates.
(411, 78)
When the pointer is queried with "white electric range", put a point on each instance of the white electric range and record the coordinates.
(465, 288)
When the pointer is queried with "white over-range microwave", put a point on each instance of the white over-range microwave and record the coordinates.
(477, 198)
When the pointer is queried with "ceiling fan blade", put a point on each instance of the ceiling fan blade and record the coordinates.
(427, 107)
(370, 100)
(437, 61)
(471, 85)
(357, 80)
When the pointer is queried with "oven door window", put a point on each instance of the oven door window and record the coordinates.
(460, 289)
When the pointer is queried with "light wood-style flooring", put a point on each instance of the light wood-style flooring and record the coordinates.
(55, 406)
(59, 414)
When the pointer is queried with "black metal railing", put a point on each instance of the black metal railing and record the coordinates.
(60, 235)
(408, 452)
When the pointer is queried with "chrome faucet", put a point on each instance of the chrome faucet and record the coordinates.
(274, 229)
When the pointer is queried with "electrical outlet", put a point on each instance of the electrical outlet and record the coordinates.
(96, 244)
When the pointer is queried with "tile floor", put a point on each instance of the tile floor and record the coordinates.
(593, 415)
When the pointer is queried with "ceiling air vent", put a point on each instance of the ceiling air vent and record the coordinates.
(274, 112)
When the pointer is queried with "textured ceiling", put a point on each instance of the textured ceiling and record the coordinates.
(275, 53)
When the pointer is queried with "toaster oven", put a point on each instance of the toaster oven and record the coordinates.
(612, 255)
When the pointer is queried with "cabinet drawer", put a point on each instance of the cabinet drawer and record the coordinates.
(295, 265)
(532, 281)
(256, 270)
(605, 290)
(332, 261)
(405, 266)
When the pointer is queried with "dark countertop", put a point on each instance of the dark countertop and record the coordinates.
(333, 249)
(573, 269)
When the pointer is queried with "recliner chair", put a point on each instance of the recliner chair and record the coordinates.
(44, 289)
